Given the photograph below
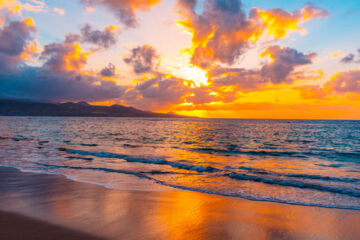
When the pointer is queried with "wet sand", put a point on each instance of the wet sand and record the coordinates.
(55, 204)
(15, 226)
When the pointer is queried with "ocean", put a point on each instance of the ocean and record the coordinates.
(303, 162)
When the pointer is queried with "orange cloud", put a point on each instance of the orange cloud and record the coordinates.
(59, 11)
(311, 92)
(279, 23)
(310, 11)
(11, 7)
(345, 82)
(65, 56)
(14, 7)
(276, 22)
(31, 50)
(337, 54)
(223, 32)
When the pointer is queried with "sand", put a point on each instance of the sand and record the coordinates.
(15, 226)
(58, 207)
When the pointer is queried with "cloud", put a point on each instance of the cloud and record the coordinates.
(14, 7)
(201, 95)
(15, 38)
(351, 58)
(223, 32)
(345, 82)
(59, 11)
(108, 71)
(61, 57)
(104, 39)
(220, 32)
(36, 6)
(124, 10)
(336, 54)
(311, 11)
(38, 83)
(60, 77)
(283, 62)
(311, 92)
(280, 69)
(157, 93)
(142, 59)
(348, 58)
(239, 78)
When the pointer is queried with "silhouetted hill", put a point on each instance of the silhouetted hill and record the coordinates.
(81, 109)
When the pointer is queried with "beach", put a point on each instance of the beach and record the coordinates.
(88, 211)
(15, 226)
(179, 120)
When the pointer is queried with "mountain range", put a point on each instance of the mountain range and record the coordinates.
(10, 107)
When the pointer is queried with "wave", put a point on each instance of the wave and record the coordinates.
(279, 180)
(302, 176)
(293, 183)
(276, 179)
(324, 178)
(325, 154)
(89, 144)
(197, 168)
(164, 183)
(250, 152)
(17, 139)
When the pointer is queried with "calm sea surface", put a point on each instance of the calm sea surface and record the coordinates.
(313, 163)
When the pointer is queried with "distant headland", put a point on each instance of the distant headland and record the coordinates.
(10, 107)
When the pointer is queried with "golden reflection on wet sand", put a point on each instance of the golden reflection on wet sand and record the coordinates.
(117, 214)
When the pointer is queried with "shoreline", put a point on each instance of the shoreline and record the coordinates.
(180, 188)
(113, 214)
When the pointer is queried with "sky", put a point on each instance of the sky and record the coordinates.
(270, 59)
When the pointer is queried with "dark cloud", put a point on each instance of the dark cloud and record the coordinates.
(102, 39)
(14, 37)
(156, 93)
(142, 59)
(38, 83)
(72, 38)
(124, 10)
(188, 4)
(284, 61)
(351, 58)
(59, 79)
(108, 71)
(241, 79)
(105, 39)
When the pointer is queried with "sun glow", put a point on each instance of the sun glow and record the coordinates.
(192, 73)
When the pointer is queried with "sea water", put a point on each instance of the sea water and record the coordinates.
(315, 163)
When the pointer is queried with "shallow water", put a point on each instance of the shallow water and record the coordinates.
(299, 162)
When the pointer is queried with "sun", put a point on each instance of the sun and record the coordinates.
(192, 73)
